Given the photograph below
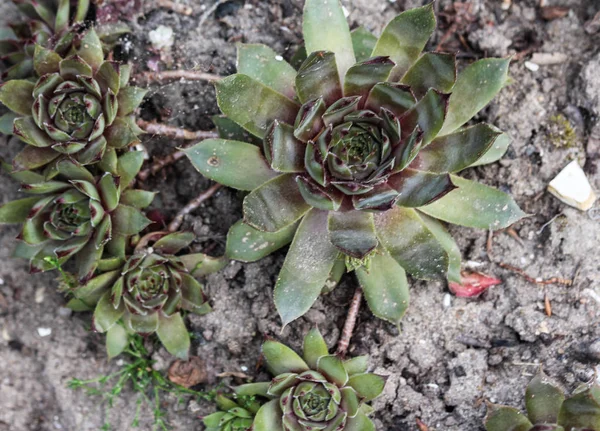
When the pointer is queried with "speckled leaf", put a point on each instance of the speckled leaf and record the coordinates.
(446, 241)
(17, 211)
(543, 400)
(313, 348)
(405, 36)
(325, 29)
(246, 244)
(496, 151)
(129, 220)
(267, 67)
(105, 314)
(368, 386)
(122, 132)
(232, 163)
(253, 105)
(116, 341)
(268, 417)
(303, 274)
(16, 95)
(173, 334)
(361, 77)
(363, 42)
(506, 419)
(318, 77)
(475, 87)
(45, 60)
(428, 114)
(418, 188)
(281, 359)
(352, 232)
(200, 264)
(129, 98)
(475, 205)
(582, 410)
(91, 49)
(385, 287)
(432, 70)
(408, 240)
(34, 157)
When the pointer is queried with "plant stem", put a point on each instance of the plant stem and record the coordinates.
(174, 75)
(348, 330)
(191, 206)
(159, 163)
(174, 132)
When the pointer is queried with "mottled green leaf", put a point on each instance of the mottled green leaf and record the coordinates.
(433, 70)
(90, 49)
(313, 348)
(116, 341)
(429, 114)
(246, 244)
(352, 232)
(105, 314)
(173, 334)
(17, 211)
(34, 157)
(128, 166)
(397, 98)
(361, 77)
(446, 241)
(368, 386)
(543, 400)
(129, 220)
(318, 78)
(16, 95)
(506, 419)
(281, 359)
(496, 151)
(268, 417)
(418, 188)
(363, 42)
(582, 410)
(332, 367)
(129, 98)
(45, 60)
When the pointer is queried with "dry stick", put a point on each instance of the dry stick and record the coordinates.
(344, 341)
(159, 163)
(174, 75)
(191, 206)
(553, 280)
(174, 132)
(175, 7)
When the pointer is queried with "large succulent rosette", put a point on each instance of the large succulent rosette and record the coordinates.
(81, 106)
(317, 391)
(146, 293)
(358, 159)
(548, 409)
(77, 214)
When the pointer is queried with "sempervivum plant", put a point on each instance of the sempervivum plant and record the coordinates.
(80, 106)
(358, 159)
(146, 292)
(48, 24)
(77, 213)
(317, 391)
(233, 415)
(549, 410)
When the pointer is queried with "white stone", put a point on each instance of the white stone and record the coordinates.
(161, 37)
(573, 188)
(532, 66)
(44, 332)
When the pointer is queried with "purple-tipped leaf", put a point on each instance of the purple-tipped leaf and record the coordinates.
(433, 70)
(352, 232)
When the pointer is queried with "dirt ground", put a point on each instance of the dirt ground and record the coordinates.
(451, 354)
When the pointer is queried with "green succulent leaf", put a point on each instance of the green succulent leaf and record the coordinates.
(428, 114)
(543, 400)
(397, 98)
(139, 199)
(6, 123)
(303, 275)
(17, 211)
(405, 36)
(418, 188)
(318, 77)
(582, 410)
(432, 70)
(16, 95)
(200, 264)
(475, 205)
(361, 77)
(268, 417)
(45, 60)
(314, 347)
(332, 367)
(128, 166)
(246, 244)
(174, 242)
(385, 287)
(475, 87)
(116, 341)
(267, 67)
(253, 389)
(496, 151)
(129, 220)
(129, 99)
(90, 50)
(325, 29)
(359, 423)
(352, 232)
(235, 164)
(105, 314)
(231, 131)
(357, 365)
(253, 105)
(507, 419)
(368, 386)
(408, 240)
(122, 133)
(448, 243)
(280, 359)
(173, 334)
(284, 152)
(363, 42)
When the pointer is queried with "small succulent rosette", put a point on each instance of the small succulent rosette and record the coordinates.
(357, 158)
(77, 214)
(146, 292)
(548, 409)
(317, 391)
(48, 23)
(233, 415)
(80, 108)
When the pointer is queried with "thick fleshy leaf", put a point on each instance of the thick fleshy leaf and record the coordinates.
(405, 36)
(352, 232)
(230, 130)
(284, 152)
(143, 324)
(281, 359)
(446, 241)
(313, 348)
(363, 42)
(45, 187)
(45, 60)
(235, 164)
(475, 205)
(128, 166)
(543, 400)
(250, 389)
(122, 132)
(173, 334)
(303, 274)
(129, 98)
(429, 114)
(268, 417)
(357, 365)
(137, 198)
(105, 314)
(397, 98)
(72, 67)
(329, 199)
(73, 171)
(496, 152)
(267, 67)
(246, 244)
(6, 123)
(116, 341)
(108, 186)
(318, 77)
(16, 95)
(408, 240)
(90, 255)
(475, 87)
(361, 77)
(368, 386)
(252, 105)
(174, 242)
(417, 188)
(433, 70)
(385, 287)
(359, 423)
(200, 264)
(129, 220)
(472, 284)
(507, 419)
(455, 152)
(275, 205)
(309, 121)
(17, 211)
(325, 29)
(108, 76)
(34, 157)
(582, 410)
(91, 49)
(332, 367)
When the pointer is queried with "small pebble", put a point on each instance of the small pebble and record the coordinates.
(44, 332)
(532, 66)
(447, 301)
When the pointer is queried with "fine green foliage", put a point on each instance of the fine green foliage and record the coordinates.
(313, 391)
(147, 384)
(548, 409)
(360, 153)
(234, 414)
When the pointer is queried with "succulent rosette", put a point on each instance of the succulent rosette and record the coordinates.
(77, 214)
(49, 24)
(233, 415)
(548, 409)
(80, 107)
(146, 292)
(317, 391)
(356, 161)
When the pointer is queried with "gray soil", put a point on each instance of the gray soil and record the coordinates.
(451, 354)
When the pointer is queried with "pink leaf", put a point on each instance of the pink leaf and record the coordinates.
(473, 284)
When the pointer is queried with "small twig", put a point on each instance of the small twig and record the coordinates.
(191, 206)
(159, 163)
(548, 223)
(174, 75)
(490, 245)
(175, 7)
(547, 305)
(421, 425)
(174, 132)
(553, 280)
(514, 235)
(348, 330)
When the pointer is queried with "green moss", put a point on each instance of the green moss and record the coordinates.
(561, 132)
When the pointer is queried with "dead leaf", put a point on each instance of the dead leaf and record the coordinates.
(188, 373)
(550, 13)
(473, 284)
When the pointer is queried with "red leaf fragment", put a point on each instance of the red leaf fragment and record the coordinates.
(473, 284)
